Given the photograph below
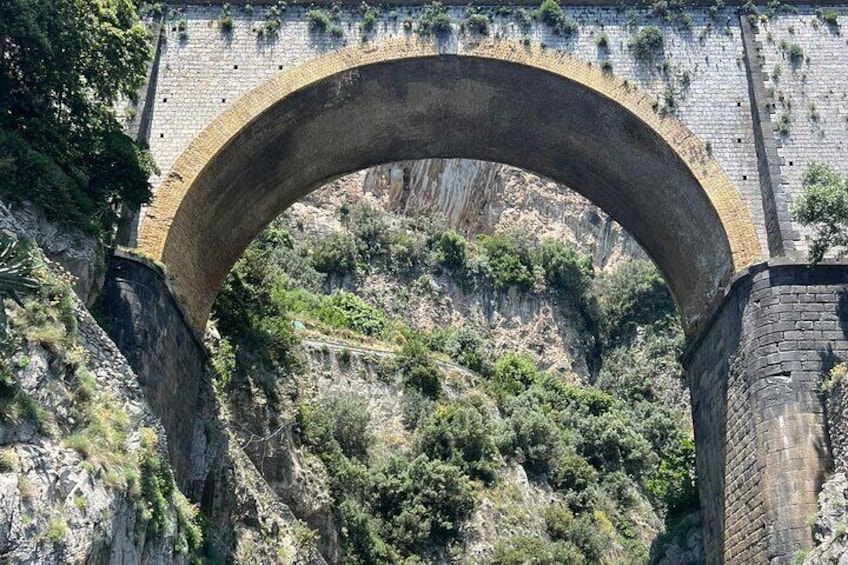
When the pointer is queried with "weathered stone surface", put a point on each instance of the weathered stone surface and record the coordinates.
(759, 421)
(632, 163)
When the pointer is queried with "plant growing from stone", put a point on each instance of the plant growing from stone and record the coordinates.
(477, 23)
(369, 17)
(182, 29)
(550, 13)
(434, 19)
(225, 22)
(823, 205)
(15, 278)
(318, 20)
(647, 41)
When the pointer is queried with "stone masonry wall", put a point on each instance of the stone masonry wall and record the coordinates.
(146, 323)
(811, 93)
(759, 421)
(700, 70)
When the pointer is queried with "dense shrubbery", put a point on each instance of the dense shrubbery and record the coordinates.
(459, 434)
(335, 255)
(634, 295)
(601, 448)
(250, 311)
(418, 369)
(465, 346)
(550, 13)
(824, 205)
(63, 67)
(512, 374)
(399, 506)
(510, 260)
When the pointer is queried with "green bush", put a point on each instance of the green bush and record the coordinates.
(477, 23)
(633, 295)
(464, 345)
(346, 310)
(421, 501)
(336, 254)
(531, 550)
(568, 274)
(510, 261)
(434, 19)
(418, 369)
(551, 14)
(361, 538)
(647, 41)
(823, 204)
(369, 19)
(406, 252)
(61, 143)
(459, 434)
(415, 407)
(251, 312)
(337, 423)
(368, 227)
(512, 374)
(532, 438)
(157, 485)
(673, 483)
(450, 249)
(318, 20)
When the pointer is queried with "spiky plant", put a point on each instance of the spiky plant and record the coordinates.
(15, 269)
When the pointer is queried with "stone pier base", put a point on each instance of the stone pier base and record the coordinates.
(760, 432)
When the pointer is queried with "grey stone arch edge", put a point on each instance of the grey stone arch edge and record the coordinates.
(452, 106)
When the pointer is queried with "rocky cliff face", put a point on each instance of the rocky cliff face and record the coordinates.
(475, 197)
(483, 197)
(84, 476)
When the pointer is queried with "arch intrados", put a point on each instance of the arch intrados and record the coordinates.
(536, 109)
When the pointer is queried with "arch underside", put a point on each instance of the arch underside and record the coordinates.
(533, 109)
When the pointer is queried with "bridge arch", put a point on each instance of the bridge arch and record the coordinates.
(401, 99)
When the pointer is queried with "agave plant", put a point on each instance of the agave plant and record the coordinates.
(14, 279)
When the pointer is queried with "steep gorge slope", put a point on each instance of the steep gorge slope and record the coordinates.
(391, 326)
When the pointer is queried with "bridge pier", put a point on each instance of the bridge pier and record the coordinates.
(754, 372)
(760, 430)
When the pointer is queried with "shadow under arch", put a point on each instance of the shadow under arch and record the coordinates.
(401, 99)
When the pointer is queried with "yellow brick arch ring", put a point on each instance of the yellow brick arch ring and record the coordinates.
(498, 100)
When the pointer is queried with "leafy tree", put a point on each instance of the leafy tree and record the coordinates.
(421, 501)
(824, 205)
(63, 66)
(251, 312)
(418, 369)
(464, 345)
(459, 434)
(368, 227)
(513, 373)
(337, 423)
(450, 247)
(510, 260)
(335, 255)
(347, 310)
(631, 296)
(567, 273)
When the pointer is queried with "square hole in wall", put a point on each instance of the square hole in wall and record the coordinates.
(165, 99)
(223, 100)
(738, 140)
(235, 67)
(790, 163)
(739, 104)
(279, 67)
(744, 177)
(161, 136)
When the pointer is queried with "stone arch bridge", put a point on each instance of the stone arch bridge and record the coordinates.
(695, 146)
